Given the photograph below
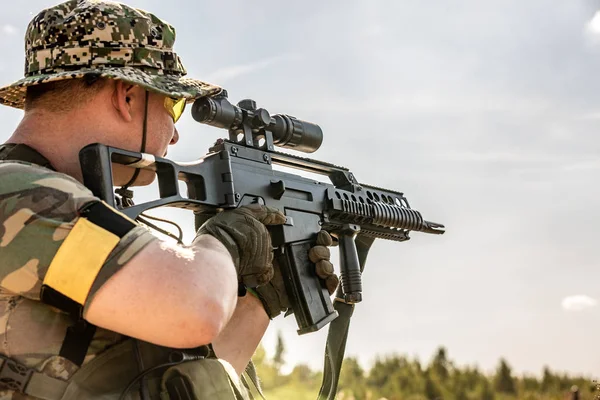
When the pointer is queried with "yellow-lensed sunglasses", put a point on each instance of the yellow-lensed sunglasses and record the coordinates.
(175, 107)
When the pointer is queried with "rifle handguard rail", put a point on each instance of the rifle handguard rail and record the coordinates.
(384, 215)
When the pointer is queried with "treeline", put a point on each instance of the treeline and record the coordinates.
(396, 377)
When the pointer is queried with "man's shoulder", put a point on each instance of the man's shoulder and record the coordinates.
(30, 195)
(23, 177)
(37, 209)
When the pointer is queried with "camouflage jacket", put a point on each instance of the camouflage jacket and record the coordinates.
(38, 208)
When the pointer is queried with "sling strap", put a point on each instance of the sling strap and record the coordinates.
(334, 350)
(251, 375)
(22, 152)
(339, 328)
(79, 336)
(16, 376)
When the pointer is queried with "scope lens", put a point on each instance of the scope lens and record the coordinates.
(216, 112)
(296, 134)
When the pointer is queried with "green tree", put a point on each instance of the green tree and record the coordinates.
(484, 390)
(260, 355)
(395, 377)
(440, 365)
(530, 384)
(460, 391)
(352, 379)
(471, 377)
(267, 373)
(459, 384)
(278, 358)
(564, 382)
(392, 376)
(550, 382)
(303, 375)
(382, 370)
(503, 381)
(431, 388)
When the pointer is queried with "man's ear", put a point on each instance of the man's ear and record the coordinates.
(124, 99)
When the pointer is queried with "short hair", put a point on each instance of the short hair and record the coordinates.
(64, 95)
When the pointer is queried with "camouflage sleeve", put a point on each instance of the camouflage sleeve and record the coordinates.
(38, 209)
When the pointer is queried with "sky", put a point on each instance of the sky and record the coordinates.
(484, 113)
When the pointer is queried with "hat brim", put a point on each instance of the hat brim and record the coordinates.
(168, 85)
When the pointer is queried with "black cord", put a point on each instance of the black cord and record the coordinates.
(144, 393)
(161, 230)
(142, 374)
(176, 357)
(137, 170)
(166, 221)
(127, 195)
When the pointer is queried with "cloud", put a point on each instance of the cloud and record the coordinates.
(232, 72)
(593, 25)
(583, 166)
(374, 30)
(578, 302)
(588, 116)
(591, 32)
(9, 30)
(506, 157)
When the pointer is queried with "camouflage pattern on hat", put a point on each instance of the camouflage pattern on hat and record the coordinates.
(107, 39)
(38, 208)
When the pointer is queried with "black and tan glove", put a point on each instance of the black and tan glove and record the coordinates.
(274, 296)
(243, 232)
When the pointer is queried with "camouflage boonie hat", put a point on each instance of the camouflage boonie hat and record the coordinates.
(108, 39)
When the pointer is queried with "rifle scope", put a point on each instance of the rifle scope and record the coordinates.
(287, 131)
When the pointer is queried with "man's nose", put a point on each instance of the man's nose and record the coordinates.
(175, 137)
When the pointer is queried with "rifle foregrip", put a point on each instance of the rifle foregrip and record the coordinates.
(308, 295)
(351, 275)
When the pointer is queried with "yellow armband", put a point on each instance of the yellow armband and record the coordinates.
(81, 256)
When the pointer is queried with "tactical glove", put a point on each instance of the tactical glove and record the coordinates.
(243, 232)
(273, 294)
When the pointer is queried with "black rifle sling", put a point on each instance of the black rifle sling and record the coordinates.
(22, 152)
(339, 328)
(79, 336)
(252, 375)
(334, 350)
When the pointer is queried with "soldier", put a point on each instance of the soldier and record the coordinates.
(92, 304)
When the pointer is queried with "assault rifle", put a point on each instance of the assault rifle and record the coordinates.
(239, 171)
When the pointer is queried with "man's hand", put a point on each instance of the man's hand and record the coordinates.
(243, 232)
(273, 294)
